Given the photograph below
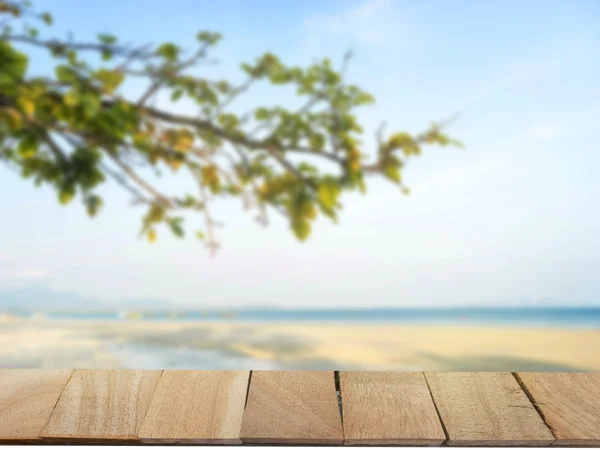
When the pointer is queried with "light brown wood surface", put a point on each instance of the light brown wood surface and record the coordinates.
(292, 408)
(569, 403)
(299, 407)
(196, 407)
(27, 398)
(382, 408)
(102, 406)
(486, 408)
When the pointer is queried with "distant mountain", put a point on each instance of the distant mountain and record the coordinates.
(42, 298)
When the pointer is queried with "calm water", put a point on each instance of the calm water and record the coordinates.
(556, 317)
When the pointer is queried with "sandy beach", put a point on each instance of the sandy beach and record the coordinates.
(42, 343)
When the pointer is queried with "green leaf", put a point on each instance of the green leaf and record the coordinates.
(223, 86)
(228, 121)
(364, 98)
(175, 226)
(152, 236)
(317, 141)
(12, 119)
(262, 114)
(93, 204)
(169, 51)
(110, 79)
(393, 173)
(308, 169)
(13, 64)
(156, 213)
(90, 104)
(72, 57)
(47, 18)
(107, 39)
(328, 193)
(200, 235)
(176, 95)
(301, 228)
(65, 196)
(208, 38)
(65, 74)
(27, 147)
(71, 98)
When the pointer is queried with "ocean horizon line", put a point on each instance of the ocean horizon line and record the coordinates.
(177, 308)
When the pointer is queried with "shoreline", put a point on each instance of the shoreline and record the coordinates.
(53, 343)
(308, 323)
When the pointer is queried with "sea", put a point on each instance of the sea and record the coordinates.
(569, 317)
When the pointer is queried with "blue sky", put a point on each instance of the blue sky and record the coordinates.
(512, 220)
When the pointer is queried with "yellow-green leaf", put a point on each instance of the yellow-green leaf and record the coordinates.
(110, 79)
(93, 204)
(152, 236)
(65, 196)
(301, 228)
(27, 148)
(47, 18)
(71, 98)
(27, 105)
(328, 193)
(13, 119)
(393, 173)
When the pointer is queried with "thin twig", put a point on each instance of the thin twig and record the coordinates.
(138, 180)
(82, 46)
(211, 243)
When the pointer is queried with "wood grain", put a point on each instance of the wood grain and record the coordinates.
(385, 408)
(486, 409)
(569, 403)
(288, 407)
(27, 398)
(102, 406)
(196, 407)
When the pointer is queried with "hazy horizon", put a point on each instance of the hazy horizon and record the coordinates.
(42, 298)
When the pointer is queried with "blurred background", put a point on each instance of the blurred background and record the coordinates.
(491, 263)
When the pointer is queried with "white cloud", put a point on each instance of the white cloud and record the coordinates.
(545, 132)
(452, 179)
(557, 60)
(24, 274)
(372, 22)
(560, 127)
(517, 73)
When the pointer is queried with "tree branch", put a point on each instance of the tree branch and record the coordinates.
(138, 196)
(55, 149)
(82, 46)
(164, 200)
(157, 83)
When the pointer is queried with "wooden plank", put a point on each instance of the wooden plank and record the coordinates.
(288, 407)
(386, 408)
(569, 403)
(102, 406)
(486, 409)
(27, 398)
(196, 407)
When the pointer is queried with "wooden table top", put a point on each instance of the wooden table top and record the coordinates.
(299, 407)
